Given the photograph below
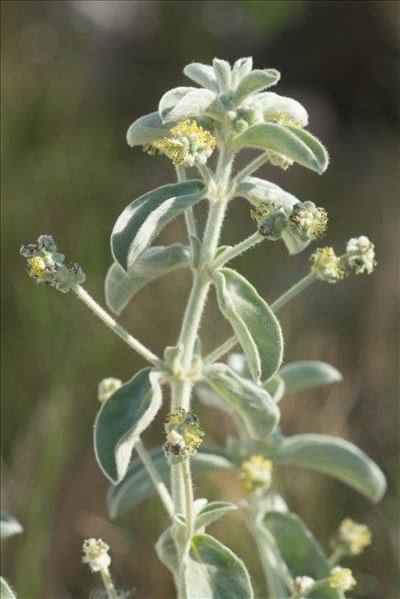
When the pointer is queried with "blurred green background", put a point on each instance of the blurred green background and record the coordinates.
(74, 76)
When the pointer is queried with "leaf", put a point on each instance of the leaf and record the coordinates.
(258, 191)
(9, 526)
(301, 552)
(275, 386)
(293, 243)
(144, 218)
(203, 74)
(335, 457)
(5, 590)
(167, 551)
(146, 130)
(222, 70)
(241, 68)
(137, 486)
(254, 82)
(215, 572)
(212, 512)
(256, 327)
(181, 103)
(120, 286)
(257, 411)
(122, 419)
(273, 106)
(308, 374)
(292, 142)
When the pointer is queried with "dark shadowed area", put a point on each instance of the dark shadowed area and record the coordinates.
(74, 76)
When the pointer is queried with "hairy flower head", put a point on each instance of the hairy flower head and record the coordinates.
(303, 584)
(107, 387)
(255, 473)
(47, 266)
(184, 435)
(353, 536)
(271, 219)
(360, 255)
(188, 145)
(342, 579)
(308, 221)
(326, 266)
(95, 553)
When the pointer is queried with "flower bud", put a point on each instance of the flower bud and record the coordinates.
(255, 473)
(107, 387)
(307, 221)
(95, 553)
(279, 160)
(353, 537)
(184, 435)
(326, 266)
(189, 144)
(360, 255)
(48, 267)
(271, 219)
(342, 579)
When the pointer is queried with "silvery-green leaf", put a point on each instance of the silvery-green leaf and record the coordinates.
(308, 374)
(121, 286)
(238, 363)
(292, 142)
(212, 512)
(293, 243)
(144, 218)
(222, 70)
(256, 327)
(335, 457)
(254, 406)
(194, 104)
(9, 526)
(203, 74)
(210, 398)
(146, 130)
(258, 191)
(170, 99)
(241, 68)
(122, 419)
(254, 82)
(274, 106)
(5, 590)
(167, 551)
(215, 572)
(300, 551)
(137, 486)
(275, 386)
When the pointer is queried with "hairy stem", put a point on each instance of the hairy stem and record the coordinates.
(189, 213)
(250, 168)
(337, 555)
(236, 250)
(155, 477)
(187, 481)
(141, 349)
(108, 583)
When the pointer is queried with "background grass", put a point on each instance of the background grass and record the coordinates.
(74, 76)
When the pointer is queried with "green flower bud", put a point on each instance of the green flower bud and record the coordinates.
(48, 267)
(271, 219)
(184, 435)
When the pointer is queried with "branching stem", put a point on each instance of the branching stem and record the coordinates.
(155, 477)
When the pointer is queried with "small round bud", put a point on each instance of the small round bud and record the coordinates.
(255, 473)
(360, 255)
(107, 387)
(342, 579)
(280, 160)
(326, 266)
(353, 537)
(303, 584)
(95, 553)
(183, 435)
(307, 221)
(188, 145)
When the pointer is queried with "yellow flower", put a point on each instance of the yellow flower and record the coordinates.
(255, 473)
(342, 579)
(327, 266)
(37, 267)
(354, 536)
(189, 144)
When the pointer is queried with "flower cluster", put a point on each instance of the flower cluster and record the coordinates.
(184, 435)
(271, 220)
(308, 221)
(326, 266)
(342, 579)
(48, 267)
(255, 473)
(95, 553)
(107, 387)
(360, 253)
(353, 537)
(188, 145)
(303, 584)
